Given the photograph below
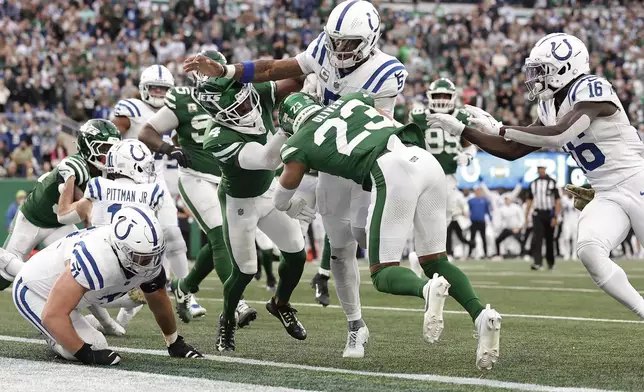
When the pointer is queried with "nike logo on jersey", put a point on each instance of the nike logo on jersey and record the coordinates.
(641, 193)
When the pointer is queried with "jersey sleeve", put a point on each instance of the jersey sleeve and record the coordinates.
(291, 152)
(267, 93)
(84, 267)
(313, 57)
(386, 86)
(126, 108)
(591, 88)
(156, 197)
(94, 190)
(463, 116)
(223, 144)
(418, 116)
(80, 168)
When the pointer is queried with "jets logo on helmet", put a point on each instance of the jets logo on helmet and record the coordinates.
(132, 159)
(137, 238)
(156, 80)
(556, 60)
(229, 102)
(95, 138)
(441, 96)
(352, 32)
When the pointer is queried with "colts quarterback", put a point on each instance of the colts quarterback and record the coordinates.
(345, 60)
(580, 113)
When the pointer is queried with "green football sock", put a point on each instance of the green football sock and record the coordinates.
(290, 271)
(221, 257)
(398, 281)
(234, 290)
(267, 261)
(325, 262)
(199, 271)
(4, 283)
(460, 287)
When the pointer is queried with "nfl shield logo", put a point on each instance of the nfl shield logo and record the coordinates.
(240, 212)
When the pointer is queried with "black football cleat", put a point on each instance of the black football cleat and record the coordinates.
(286, 314)
(225, 335)
(320, 284)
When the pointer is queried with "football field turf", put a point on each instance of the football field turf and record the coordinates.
(559, 332)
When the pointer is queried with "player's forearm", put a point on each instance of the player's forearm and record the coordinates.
(497, 146)
(160, 305)
(60, 326)
(547, 136)
(151, 138)
(267, 70)
(282, 196)
(66, 213)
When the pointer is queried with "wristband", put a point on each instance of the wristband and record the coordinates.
(84, 354)
(170, 339)
(229, 71)
(249, 72)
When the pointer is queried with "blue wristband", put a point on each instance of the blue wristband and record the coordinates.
(249, 72)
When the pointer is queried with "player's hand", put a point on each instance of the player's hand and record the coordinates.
(446, 122)
(65, 170)
(181, 155)
(553, 222)
(483, 121)
(181, 349)
(203, 65)
(299, 210)
(463, 158)
(97, 357)
(581, 196)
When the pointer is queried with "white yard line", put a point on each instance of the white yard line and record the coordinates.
(255, 362)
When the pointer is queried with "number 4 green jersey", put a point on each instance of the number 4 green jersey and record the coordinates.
(193, 122)
(345, 138)
(41, 206)
(440, 144)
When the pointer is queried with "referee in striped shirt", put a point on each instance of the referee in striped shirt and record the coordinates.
(543, 196)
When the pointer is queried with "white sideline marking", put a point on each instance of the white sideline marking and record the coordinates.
(244, 361)
(21, 375)
(392, 309)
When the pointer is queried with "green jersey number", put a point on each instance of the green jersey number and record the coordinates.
(439, 141)
(342, 144)
(199, 123)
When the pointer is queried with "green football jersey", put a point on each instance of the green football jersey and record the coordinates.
(225, 143)
(41, 206)
(440, 144)
(193, 121)
(345, 138)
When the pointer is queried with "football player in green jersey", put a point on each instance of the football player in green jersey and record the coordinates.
(37, 219)
(353, 140)
(241, 139)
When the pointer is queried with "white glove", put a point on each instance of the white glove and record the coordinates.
(446, 122)
(298, 209)
(483, 121)
(463, 158)
(65, 170)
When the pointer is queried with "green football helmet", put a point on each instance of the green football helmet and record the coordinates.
(94, 140)
(197, 77)
(295, 109)
(230, 102)
(441, 96)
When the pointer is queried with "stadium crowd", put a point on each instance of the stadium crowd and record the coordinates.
(62, 60)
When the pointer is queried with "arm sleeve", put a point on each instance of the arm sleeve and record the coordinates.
(164, 120)
(282, 197)
(254, 156)
(155, 284)
(313, 56)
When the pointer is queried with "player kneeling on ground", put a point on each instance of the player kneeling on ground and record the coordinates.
(95, 267)
(407, 190)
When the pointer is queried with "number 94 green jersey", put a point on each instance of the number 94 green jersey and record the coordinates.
(345, 138)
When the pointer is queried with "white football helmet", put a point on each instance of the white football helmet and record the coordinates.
(137, 238)
(352, 32)
(556, 60)
(156, 80)
(132, 159)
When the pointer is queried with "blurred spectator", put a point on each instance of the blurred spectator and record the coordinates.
(13, 208)
(479, 210)
(58, 153)
(22, 157)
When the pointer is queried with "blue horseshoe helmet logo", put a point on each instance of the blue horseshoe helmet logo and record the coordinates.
(554, 46)
(127, 231)
(134, 156)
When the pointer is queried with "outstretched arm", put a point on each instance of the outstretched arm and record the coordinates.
(248, 71)
(498, 146)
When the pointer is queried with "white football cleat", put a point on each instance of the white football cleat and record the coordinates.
(435, 293)
(125, 315)
(111, 328)
(356, 340)
(488, 331)
(196, 310)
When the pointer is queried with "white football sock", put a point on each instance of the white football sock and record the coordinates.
(346, 275)
(415, 264)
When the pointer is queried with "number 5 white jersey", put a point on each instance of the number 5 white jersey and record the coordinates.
(382, 76)
(610, 150)
(109, 196)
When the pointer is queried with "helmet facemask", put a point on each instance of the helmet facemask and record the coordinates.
(143, 264)
(539, 80)
(153, 93)
(345, 51)
(441, 101)
(98, 152)
(244, 111)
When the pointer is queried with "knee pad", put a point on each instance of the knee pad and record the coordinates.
(10, 265)
(360, 235)
(596, 259)
(174, 239)
(344, 254)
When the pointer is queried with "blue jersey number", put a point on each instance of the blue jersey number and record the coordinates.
(113, 209)
(577, 153)
(595, 89)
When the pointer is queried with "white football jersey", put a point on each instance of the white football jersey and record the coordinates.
(109, 196)
(92, 261)
(610, 150)
(382, 76)
(138, 112)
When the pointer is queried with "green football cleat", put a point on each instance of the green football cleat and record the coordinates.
(183, 301)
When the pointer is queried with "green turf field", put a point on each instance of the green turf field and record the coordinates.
(558, 330)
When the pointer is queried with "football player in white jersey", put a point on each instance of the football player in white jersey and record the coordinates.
(345, 59)
(130, 115)
(130, 171)
(96, 266)
(581, 114)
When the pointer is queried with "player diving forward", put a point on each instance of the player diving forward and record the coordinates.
(37, 221)
(352, 139)
(198, 181)
(96, 266)
(345, 59)
(130, 182)
(241, 139)
(581, 114)
(130, 115)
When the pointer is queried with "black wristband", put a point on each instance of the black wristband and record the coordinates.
(166, 148)
(85, 353)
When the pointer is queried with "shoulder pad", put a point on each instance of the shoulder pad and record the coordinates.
(127, 108)
(387, 80)
(80, 167)
(590, 88)
(314, 55)
(84, 267)
(157, 197)
(94, 190)
(176, 95)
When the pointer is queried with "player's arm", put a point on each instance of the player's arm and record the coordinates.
(555, 191)
(162, 122)
(122, 123)
(160, 305)
(498, 146)
(69, 211)
(246, 72)
(528, 204)
(285, 87)
(284, 197)
(571, 125)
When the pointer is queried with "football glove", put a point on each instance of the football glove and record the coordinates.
(581, 196)
(299, 210)
(97, 357)
(483, 121)
(463, 158)
(181, 155)
(446, 122)
(65, 171)
(181, 349)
